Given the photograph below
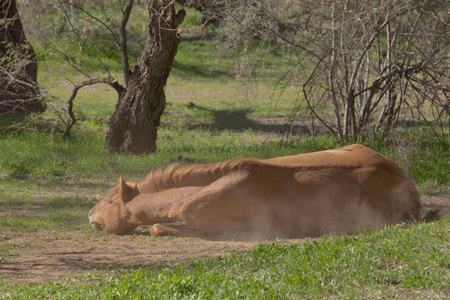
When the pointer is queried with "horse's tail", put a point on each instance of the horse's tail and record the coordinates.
(432, 215)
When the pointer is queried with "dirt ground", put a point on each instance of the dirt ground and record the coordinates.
(39, 259)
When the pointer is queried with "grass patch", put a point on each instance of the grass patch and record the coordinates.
(204, 136)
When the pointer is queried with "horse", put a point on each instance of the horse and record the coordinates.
(339, 191)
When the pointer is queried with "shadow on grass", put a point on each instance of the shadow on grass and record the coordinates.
(39, 194)
(239, 121)
(58, 202)
(77, 263)
(185, 70)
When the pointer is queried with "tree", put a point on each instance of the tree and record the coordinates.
(141, 98)
(371, 61)
(18, 67)
(133, 126)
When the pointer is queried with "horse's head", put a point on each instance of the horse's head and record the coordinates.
(112, 213)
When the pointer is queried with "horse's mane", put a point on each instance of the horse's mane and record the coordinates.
(195, 175)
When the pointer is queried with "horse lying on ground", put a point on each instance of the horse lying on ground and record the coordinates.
(334, 191)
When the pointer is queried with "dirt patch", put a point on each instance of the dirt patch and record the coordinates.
(38, 258)
(441, 203)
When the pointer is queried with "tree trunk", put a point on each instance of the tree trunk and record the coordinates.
(139, 109)
(18, 72)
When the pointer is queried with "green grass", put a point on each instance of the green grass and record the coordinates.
(205, 135)
(410, 261)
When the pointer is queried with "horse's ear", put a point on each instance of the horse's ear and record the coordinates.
(126, 192)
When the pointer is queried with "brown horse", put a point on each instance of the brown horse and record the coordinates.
(333, 191)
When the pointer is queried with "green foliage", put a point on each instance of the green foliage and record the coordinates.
(404, 261)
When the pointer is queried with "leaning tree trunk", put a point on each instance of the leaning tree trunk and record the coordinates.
(139, 109)
(18, 66)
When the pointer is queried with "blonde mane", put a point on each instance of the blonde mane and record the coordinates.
(196, 175)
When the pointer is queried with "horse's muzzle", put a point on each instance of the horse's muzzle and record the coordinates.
(92, 221)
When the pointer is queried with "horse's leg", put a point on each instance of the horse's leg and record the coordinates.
(159, 230)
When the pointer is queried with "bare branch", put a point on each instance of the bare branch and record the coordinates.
(70, 122)
(305, 94)
(122, 44)
(82, 41)
(113, 35)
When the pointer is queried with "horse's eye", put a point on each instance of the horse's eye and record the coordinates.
(111, 199)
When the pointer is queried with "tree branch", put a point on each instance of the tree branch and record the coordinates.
(122, 44)
(308, 102)
(110, 80)
(84, 43)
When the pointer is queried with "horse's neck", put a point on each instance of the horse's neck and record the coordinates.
(155, 207)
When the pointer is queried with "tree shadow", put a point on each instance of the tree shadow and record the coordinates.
(413, 124)
(239, 121)
(186, 70)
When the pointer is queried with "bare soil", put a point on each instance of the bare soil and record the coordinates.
(42, 258)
